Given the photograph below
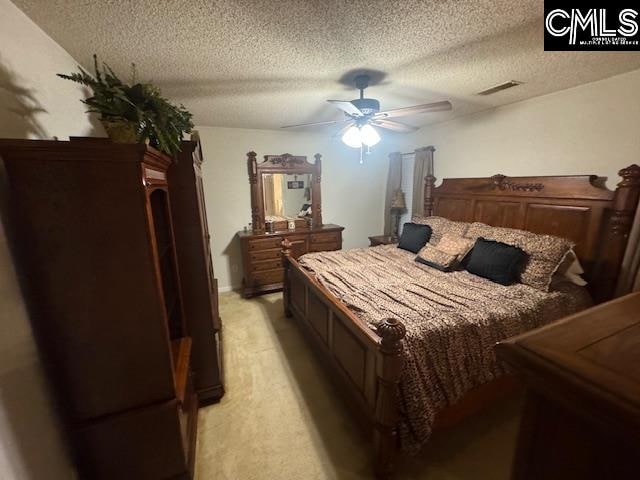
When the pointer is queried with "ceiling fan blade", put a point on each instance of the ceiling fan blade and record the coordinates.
(342, 131)
(330, 122)
(416, 109)
(347, 107)
(394, 126)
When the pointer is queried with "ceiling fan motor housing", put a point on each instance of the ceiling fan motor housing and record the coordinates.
(367, 106)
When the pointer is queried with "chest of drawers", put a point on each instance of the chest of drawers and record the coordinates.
(262, 254)
(581, 419)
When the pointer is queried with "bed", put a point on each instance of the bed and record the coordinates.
(369, 346)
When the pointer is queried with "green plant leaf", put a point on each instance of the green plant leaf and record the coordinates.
(142, 103)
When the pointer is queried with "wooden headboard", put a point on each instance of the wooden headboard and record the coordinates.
(577, 207)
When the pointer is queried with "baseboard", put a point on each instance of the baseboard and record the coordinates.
(229, 288)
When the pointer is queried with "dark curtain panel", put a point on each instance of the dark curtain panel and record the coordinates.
(393, 183)
(422, 166)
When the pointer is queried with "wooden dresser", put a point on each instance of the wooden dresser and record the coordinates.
(262, 254)
(199, 286)
(92, 233)
(582, 412)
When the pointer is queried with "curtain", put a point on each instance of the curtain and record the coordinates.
(278, 180)
(272, 185)
(629, 280)
(393, 183)
(422, 166)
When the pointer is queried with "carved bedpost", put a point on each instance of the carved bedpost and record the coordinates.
(620, 222)
(286, 290)
(429, 181)
(316, 198)
(626, 200)
(391, 332)
(257, 209)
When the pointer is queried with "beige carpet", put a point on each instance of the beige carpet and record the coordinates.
(279, 420)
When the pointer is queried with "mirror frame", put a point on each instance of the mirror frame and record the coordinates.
(285, 164)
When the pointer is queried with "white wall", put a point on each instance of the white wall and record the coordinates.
(588, 129)
(352, 194)
(34, 103)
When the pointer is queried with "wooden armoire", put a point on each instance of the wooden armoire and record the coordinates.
(91, 230)
(199, 286)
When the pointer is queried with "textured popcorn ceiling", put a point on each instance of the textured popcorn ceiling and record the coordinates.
(263, 64)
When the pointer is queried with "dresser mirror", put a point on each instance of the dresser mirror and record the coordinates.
(285, 192)
(286, 196)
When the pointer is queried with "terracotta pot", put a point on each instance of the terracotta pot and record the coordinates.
(121, 131)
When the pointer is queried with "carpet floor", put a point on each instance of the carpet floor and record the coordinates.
(279, 418)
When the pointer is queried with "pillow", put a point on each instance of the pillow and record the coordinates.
(414, 237)
(441, 226)
(497, 261)
(455, 245)
(436, 258)
(571, 270)
(545, 252)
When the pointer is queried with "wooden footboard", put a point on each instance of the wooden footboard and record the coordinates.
(365, 365)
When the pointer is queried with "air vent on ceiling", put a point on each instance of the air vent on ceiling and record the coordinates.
(502, 86)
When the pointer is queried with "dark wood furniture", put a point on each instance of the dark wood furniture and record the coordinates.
(582, 412)
(91, 229)
(367, 365)
(262, 254)
(199, 286)
(382, 240)
(287, 164)
(262, 250)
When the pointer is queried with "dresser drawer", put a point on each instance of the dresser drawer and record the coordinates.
(297, 238)
(257, 255)
(299, 245)
(324, 247)
(267, 264)
(267, 277)
(327, 237)
(265, 243)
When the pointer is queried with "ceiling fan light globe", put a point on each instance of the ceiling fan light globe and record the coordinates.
(352, 137)
(369, 136)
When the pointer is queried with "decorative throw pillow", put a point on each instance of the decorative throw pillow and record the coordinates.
(441, 226)
(497, 261)
(414, 237)
(545, 251)
(436, 258)
(455, 245)
(570, 269)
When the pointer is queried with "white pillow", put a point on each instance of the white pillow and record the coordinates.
(574, 272)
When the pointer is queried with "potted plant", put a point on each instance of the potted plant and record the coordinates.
(135, 112)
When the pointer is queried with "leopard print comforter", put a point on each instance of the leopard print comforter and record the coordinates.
(453, 320)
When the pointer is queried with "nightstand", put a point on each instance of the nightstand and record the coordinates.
(382, 240)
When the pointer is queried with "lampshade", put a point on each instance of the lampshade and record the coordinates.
(352, 137)
(398, 203)
(369, 136)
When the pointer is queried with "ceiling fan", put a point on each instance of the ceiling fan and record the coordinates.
(362, 114)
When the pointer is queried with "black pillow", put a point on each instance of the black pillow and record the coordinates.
(414, 237)
(497, 261)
